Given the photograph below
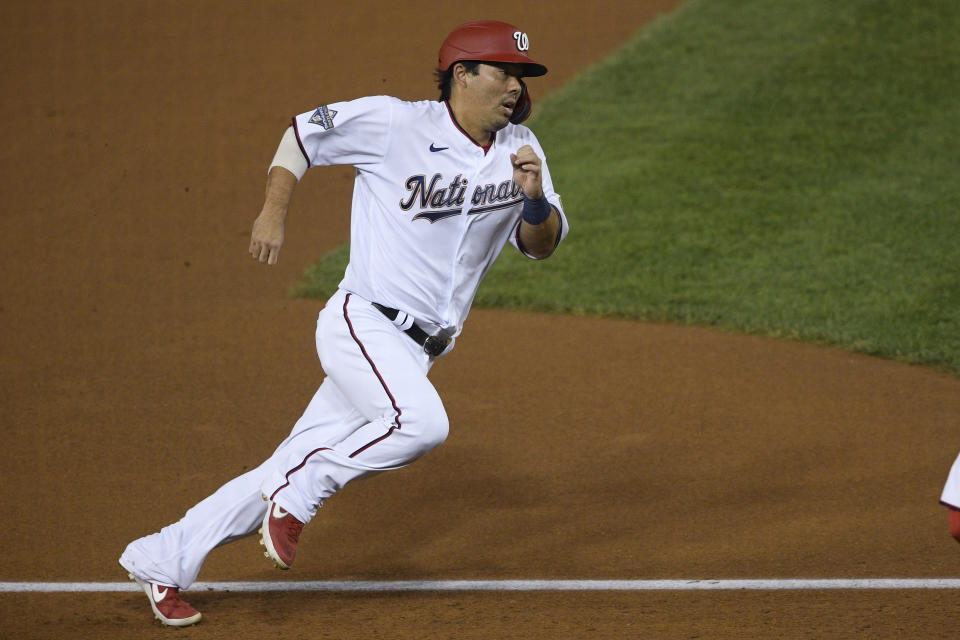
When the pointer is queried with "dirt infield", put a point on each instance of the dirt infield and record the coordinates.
(146, 359)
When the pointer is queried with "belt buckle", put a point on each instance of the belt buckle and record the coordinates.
(434, 346)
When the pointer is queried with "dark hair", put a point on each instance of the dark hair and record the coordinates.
(444, 78)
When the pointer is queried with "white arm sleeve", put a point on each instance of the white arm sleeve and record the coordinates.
(289, 156)
(355, 133)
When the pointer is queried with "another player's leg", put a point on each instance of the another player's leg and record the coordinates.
(950, 498)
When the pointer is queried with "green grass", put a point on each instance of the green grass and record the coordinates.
(782, 167)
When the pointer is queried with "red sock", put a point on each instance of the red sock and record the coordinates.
(954, 518)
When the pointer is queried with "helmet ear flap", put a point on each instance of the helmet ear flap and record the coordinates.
(521, 110)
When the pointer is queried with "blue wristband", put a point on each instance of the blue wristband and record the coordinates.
(535, 211)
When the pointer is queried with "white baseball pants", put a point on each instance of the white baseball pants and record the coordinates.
(375, 411)
(951, 490)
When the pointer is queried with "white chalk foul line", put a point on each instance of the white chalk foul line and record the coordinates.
(506, 585)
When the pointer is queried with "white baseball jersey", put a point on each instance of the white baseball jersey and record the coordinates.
(431, 209)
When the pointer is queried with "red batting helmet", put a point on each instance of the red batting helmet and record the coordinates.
(488, 41)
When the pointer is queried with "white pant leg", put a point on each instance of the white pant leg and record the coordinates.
(951, 490)
(173, 556)
(339, 437)
(382, 374)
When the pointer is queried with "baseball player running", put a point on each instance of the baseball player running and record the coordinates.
(441, 187)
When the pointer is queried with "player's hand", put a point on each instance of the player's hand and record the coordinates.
(266, 237)
(526, 172)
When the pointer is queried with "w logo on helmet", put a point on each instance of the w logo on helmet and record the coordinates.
(489, 41)
(523, 42)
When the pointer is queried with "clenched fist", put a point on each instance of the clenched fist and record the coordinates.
(526, 172)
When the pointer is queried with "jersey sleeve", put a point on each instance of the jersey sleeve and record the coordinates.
(355, 133)
(552, 196)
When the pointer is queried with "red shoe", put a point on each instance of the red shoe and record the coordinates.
(167, 605)
(279, 535)
(953, 518)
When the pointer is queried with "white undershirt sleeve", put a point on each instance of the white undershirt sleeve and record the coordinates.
(289, 156)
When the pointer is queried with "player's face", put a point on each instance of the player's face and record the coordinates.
(494, 92)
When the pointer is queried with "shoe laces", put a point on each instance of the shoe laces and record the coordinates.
(293, 529)
(175, 604)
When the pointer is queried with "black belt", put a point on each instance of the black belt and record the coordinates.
(432, 345)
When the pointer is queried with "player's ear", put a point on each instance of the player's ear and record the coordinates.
(460, 74)
(521, 110)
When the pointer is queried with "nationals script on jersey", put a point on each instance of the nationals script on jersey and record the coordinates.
(431, 211)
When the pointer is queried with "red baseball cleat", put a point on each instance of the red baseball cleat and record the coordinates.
(279, 535)
(167, 605)
(953, 518)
